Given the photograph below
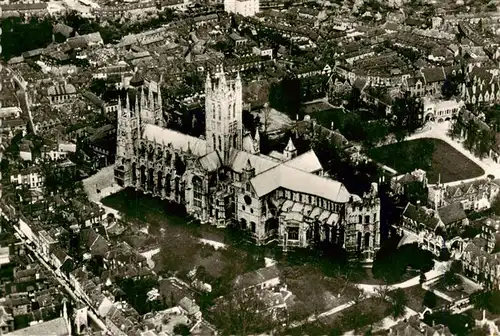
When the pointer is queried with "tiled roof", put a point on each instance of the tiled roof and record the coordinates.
(293, 179)
(56, 327)
(452, 213)
(420, 216)
(257, 277)
(178, 140)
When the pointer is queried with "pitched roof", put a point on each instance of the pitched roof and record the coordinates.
(307, 162)
(56, 327)
(238, 160)
(452, 213)
(178, 140)
(420, 216)
(256, 277)
(297, 180)
(432, 75)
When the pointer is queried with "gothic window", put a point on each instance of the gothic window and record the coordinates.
(252, 226)
(168, 157)
(219, 111)
(234, 141)
(168, 186)
(150, 153)
(367, 219)
(360, 219)
(293, 233)
(234, 110)
(197, 191)
(367, 240)
(215, 142)
(374, 217)
(220, 143)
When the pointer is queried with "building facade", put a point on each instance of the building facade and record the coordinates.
(242, 7)
(223, 179)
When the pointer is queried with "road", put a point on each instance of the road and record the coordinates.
(93, 316)
(371, 290)
(23, 97)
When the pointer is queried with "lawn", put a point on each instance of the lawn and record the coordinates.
(415, 298)
(434, 156)
(360, 317)
(182, 251)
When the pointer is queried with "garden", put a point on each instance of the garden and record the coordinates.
(436, 157)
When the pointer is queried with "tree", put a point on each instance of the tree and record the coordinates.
(182, 329)
(422, 278)
(398, 303)
(451, 86)
(285, 96)
(430, 299)
(489, 300)
(407, 115)
(243, 313)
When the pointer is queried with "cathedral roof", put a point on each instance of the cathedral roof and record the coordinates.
(211, 162)
(178, 140)
(238, 160)
(300, 181)
(307, 162)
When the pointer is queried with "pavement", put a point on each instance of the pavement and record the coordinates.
(440, 131)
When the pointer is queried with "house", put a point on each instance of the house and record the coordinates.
(263, 51)
(94, 242)
(421, 225)
(441, 110)
(64, 30)
(60, 326)
(190, 308)
(480, 265)
(267, 277)
(59, 94)
(84, 41)
(453, 215)
(414, 327)
(31, 177)
(242, 7)
(476, 195)
(16, 9)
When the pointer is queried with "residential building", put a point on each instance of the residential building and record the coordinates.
(31, 177)
(441, 110)
(60, 94)
(476, 195)
(242, 7)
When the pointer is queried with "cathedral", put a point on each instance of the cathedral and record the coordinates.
(223, 179)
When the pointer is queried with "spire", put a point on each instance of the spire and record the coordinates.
(257, 135)
(208, 81)
(136, 109)
(127, 102)
(151, 101)
(222, 79)
(248, 165)
(290, 147)
(143, 101)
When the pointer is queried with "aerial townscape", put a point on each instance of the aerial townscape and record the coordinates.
(249, 167)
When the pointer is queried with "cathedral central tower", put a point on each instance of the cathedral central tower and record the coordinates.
(223, 113)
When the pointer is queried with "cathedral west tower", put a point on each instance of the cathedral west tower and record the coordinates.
(223, 113)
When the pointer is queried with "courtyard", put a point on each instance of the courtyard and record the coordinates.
(435, 156)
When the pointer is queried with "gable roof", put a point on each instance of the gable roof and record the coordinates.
(178, 140)
(420, 216)
(452, 213)
(300, 181)
(238, 160)
(307, 162)
(256, 277)
(56, 327)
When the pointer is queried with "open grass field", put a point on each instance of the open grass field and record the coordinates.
(434, 156)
